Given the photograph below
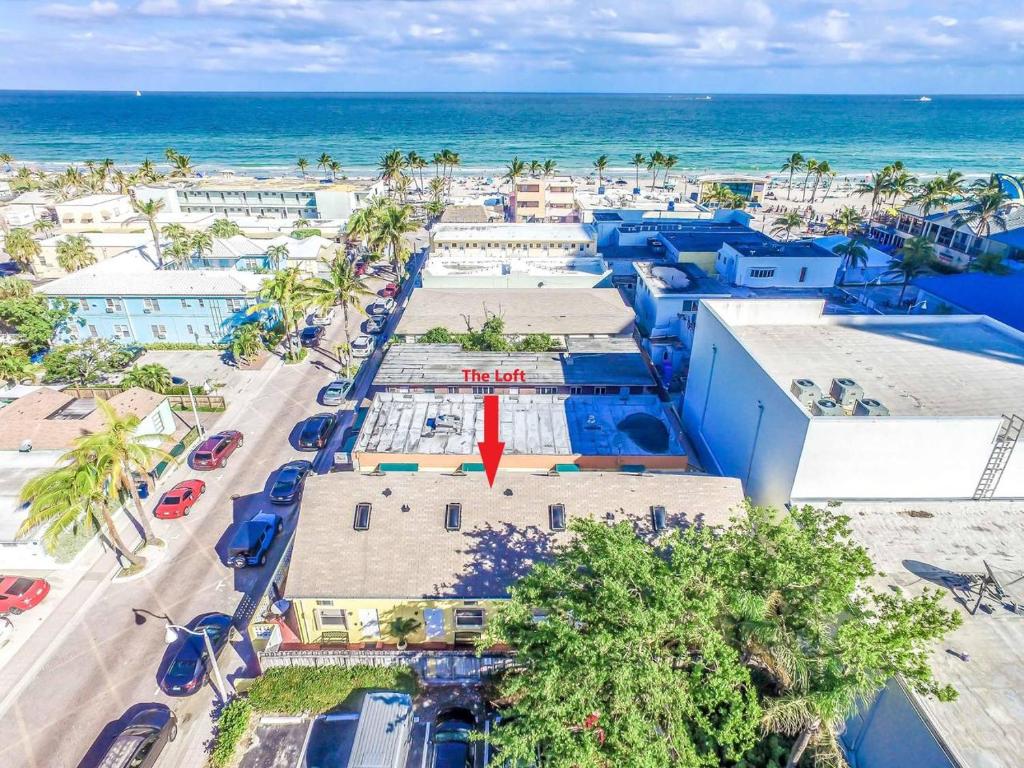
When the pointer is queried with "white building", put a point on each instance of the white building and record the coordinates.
(929, 407)
(802, 264)
(104, 245)
(91, 210)
(27, 208)
(490, 256)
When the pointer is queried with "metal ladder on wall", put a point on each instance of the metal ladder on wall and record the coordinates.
(1006, 439)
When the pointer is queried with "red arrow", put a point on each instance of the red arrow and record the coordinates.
(491, 448)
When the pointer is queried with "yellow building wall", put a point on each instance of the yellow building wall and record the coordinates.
(359, 615)
(706, 260)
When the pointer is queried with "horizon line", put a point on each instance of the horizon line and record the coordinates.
(132, 90)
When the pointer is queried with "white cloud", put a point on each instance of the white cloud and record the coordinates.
(158, 8)
(94, 9)
(944, 21)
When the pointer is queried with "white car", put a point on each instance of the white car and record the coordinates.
(323, 318)
(362, 346)
(6, 630)
(382, 307)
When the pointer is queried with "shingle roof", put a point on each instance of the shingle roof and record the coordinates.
(556, 311)
(167, 282)
(409, 554)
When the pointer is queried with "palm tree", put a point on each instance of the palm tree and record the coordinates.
(15, 365)
(787, 222)
(6, 158)
(22, 249)
(875, 186)
(181, 167)
(152, 376)
(324, 162)
(224, 228)
(854, 254)
(987, 210)
(277, 255)
(14, 288)
(439, 163)
(917, 256)
(66, 497)
(815, 718)
(335, 167)
(516, 168)
(119, 454)
(638, 162)
(390, 228)
(436, 187)
(247, 342)
(283, 292)
(454, 161)
(990, 263)
(43, 227)
(668, 163)
(820, 170)
(302, 164)
(653, 164)
(402, 187)
(415, 163)
(149, 210)
(170, 153)
(342, 286)
(901, 184)
(601, 165)
(148, 170)
(75, 253)
(548, 169)
(810, 168)
(794, 163)
(390, 166)
(535, 167)
(845, 219)
(201, 243)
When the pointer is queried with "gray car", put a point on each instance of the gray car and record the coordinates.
(336, 392)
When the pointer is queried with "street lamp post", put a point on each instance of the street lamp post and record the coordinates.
(171, 634)
(195, 411)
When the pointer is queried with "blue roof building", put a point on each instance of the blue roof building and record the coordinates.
(976, 293)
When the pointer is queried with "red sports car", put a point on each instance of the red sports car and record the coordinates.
(389, 291)
(177, 501)
(19, 593)
(213, 452)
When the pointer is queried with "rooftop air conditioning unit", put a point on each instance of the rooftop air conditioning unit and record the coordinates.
(846, 392)
(867, 406)
(826, 406)
(806, 391)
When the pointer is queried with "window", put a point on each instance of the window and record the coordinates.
(184, 304)
(658, 519)
(600, 390)
(547, 390)
(202, 302)
(150, 305)
(332, 617)
(209, 330)
(93, 332)
(453, 516)
(362, 518)
(803, 274)
(159, 331)
(689, 306)
(236, 305)
(122, 332)
(191, 331)
(762, 272)
(483, 390)
(83, 304)
(556, 517)
(575, 390)
(469, 618)
(453, 390)
(114, 305)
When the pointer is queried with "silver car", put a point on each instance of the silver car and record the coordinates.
(336, 391)
(362, 346)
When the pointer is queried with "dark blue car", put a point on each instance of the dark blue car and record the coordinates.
(252, 540)
(188, 669)
(288, 485)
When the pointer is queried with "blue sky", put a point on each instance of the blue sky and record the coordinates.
(796, 46)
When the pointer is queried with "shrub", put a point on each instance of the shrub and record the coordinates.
(293, 690)
(181, 345)
(302, 234)
(231, 726)
(296, 356)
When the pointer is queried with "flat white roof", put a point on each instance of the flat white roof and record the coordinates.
(515, 233)
(90, 200)
(962, 366)
(106, 239)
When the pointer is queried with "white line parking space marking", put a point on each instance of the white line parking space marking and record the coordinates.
(426, 746)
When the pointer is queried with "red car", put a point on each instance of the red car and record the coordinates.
(19, 593)
(177, 501)
(389, 291)
(361, 267)
(213, 452)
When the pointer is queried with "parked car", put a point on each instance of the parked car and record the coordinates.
(252, 540)
(451, 746)
(362, 346)
(20, 593)
(375, 324)
(143, 738)
(214, 451)
(317, 431)
(179, 500)
(6, 630)
(336, 391)
(290, 479)
(381, 307)
(310, 335)
(187, 671)
(361, 267)
(389, 291)
(323, 318)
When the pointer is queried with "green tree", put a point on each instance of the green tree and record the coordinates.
(341, 287)
(324, 162)
(916, 257)
(152, 376)
(548, 168)
(149, 210)
(854, 254)
(390, 228)
(535, 342)
(23, 249)
(390, 166)
(794, 163)
(515, 170)
(74, 253)
(785, 223)
(990, 263)
(638, 162)
(14, 288)
(302, 164)
(36, 318)
(277, 255)
(438, 335)
(668, 163)
(85, 362)
(225, 228)
(601, 165)
(676, 694)
(247, 342)
(15, 366)
(284, 293)
(71, 496)
(182, 168)
(119, 454)
(845, 219)
(654, 163)
(201, 244)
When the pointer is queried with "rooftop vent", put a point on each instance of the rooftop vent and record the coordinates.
(806, 391)
(361, 522)
(453, 516)
(826, 406)
(658, 518)
(867, 406)
(846, 392)
(556, 517)
(591, 422)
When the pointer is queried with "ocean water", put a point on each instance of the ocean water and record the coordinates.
(257, 132)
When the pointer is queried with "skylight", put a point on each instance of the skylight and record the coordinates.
(658, 518)
(556, 517)
(362, 518)
(453, 516)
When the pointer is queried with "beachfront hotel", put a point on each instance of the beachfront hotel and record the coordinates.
(544, 200)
